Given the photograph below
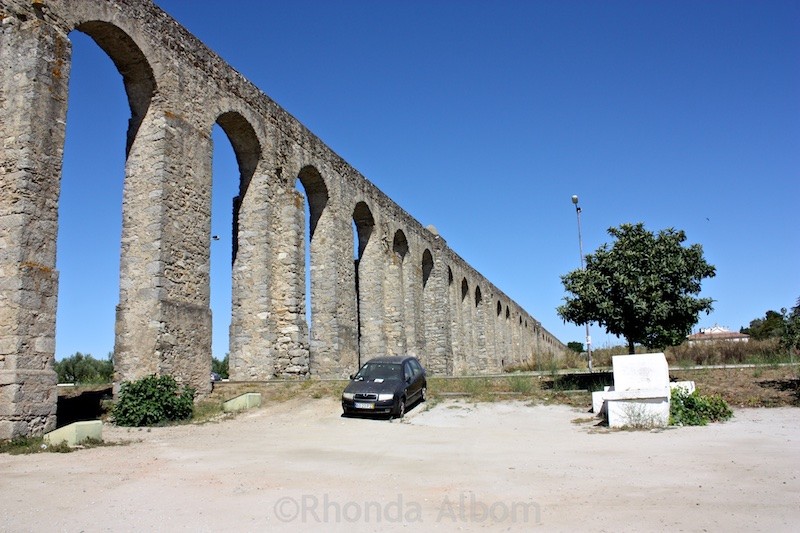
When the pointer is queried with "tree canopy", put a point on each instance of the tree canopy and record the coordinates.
(642, 287)
(83, 368)
(790, 339)
(772, 325)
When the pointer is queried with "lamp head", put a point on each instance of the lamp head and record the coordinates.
(575, 199)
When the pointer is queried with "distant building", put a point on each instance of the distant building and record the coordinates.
(717, 333)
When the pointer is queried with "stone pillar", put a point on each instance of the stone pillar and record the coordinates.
(252, 335)
(371, 271)
(288, 288)
(412, 283)
(394, 306)
(437, 319)
(34, 72)
(489, 318)
(333, 345)
(479, 327)
(346, 348)
(163, 318)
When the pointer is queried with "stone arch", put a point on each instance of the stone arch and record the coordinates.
(33, 102)
(247, 148)
(251, 251)
(313, 254)
(427, 267)
(369, 272)
(316, 194)
(365, 224)
(465, 329)
(137, 74)
(137, 351)
(428, 349)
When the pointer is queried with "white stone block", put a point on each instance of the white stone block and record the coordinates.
(240, 403)
(76, 433)
(598, 398)
(640, 371)
(687, 386)
(638, 412)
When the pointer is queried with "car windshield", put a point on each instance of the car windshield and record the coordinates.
(379, 372)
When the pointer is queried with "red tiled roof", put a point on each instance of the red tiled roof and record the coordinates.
(717, 336)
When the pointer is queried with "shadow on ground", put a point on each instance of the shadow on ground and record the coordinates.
(790, 385)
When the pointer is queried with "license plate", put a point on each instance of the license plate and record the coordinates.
(362, 405)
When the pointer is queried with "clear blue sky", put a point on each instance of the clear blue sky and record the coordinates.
(484, 118)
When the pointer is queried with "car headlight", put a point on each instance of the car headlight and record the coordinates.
(385, 397)
(348, 396)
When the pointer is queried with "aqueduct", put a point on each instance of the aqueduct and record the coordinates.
(402, 290)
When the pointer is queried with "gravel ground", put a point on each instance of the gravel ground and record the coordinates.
(452, 466)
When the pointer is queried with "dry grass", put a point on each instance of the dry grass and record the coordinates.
(712, 353)
(279, 391)
(760, 386)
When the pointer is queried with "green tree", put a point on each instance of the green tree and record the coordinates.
(220, 367)
(83, 368)
(575, 346)
(770, 326)
(790, 337)
(642, 287)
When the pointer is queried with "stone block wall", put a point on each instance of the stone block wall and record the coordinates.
(400, 290)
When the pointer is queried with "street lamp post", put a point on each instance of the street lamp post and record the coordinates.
(580, 246)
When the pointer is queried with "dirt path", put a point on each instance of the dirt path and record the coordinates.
(457, 466)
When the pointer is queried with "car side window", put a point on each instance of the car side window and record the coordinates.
(415, 366)
(409, 373)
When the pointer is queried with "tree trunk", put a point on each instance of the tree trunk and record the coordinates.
(631, 348)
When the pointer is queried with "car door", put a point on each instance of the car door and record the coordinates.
(411, 384)
(419, 376)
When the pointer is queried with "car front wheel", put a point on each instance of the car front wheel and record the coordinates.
(400, 412)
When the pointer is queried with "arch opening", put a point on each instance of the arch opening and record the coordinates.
(137, 75)
(427, 267)
(363, 226)
(91, 190)
(311, 186)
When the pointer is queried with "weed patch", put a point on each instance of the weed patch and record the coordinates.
(695, 409)
(28, 445)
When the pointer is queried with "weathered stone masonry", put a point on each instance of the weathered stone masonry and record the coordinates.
(404, 292)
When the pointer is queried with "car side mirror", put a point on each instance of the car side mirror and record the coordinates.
(352, 376)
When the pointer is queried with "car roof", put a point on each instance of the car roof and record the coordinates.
(391, 359)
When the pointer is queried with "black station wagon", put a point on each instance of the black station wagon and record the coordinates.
(385, 385)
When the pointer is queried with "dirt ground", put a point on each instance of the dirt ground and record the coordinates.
(453, 466)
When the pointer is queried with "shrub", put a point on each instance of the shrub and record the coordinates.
(695, 409)
(153, 400)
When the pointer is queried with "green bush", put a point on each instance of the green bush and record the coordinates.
(151, 401)
(695, 409)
